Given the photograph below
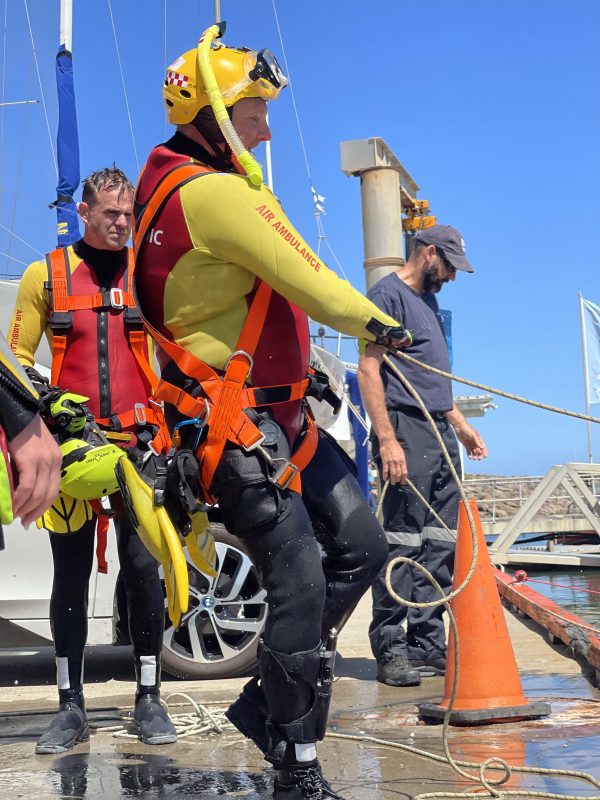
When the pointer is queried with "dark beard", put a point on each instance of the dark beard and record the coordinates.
(432, 283)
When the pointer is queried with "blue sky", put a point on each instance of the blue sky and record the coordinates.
(493, 107)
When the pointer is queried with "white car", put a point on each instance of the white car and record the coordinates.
(217, 637)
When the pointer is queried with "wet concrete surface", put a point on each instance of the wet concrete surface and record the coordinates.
(224, 765)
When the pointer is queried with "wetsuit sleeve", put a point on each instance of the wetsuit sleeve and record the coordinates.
(18, 398)
(30, 316)
(247, 226)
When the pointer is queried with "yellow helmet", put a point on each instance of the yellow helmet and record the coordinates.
(239, 73)
(88, 470)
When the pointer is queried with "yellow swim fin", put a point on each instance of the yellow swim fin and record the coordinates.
(157, 533)
(138, 497)
(200, 544)
(66, 515)
(177, 559)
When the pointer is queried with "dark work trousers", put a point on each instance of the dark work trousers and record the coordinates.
(73, 556)
(309, 590)
(412, 531)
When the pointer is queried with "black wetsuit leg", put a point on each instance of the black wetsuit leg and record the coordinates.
(73, 556)
(278, 532)
(353, 541)
(145, 600)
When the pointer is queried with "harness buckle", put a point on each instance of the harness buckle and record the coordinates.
(139, 413)
(241, 353)
(117, 299)
(61, 320)
(257, 445)
(284, 471)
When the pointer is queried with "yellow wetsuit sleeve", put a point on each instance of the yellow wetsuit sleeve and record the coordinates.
(30, 316)
(13, 370)
(247, 226)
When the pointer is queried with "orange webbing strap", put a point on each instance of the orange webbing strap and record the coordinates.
(236, 374)
(171, 182)
(138, 340)
(302, 456)
(59, 348)
(58, 271)
(102, 523)
(140, 415)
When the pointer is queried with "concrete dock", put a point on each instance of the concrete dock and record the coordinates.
(214, 765)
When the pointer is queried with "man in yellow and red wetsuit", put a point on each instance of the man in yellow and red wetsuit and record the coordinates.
(27, 448)
(81, 298)
(226, 284)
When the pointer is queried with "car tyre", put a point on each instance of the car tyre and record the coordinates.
(218, 636)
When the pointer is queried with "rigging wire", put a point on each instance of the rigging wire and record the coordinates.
(26, 117)
(12, 258)
(37, 69)
(317, 199)
(112, 20)
(16, 236)
(4, 43)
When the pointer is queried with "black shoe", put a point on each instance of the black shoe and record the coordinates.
(68, 728)
(152, 721)
(428, 667)
(249, 714)
(303, 782)
(397, 671)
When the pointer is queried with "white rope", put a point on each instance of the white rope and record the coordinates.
(490, 764)
(37, 69)
(112, 20)
(201, 721)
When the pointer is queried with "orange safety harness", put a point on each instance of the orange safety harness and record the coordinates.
(63, 304)
(226, 396)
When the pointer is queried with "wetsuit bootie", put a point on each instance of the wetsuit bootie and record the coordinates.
(303, 781)
(249, 714)
(67, 728)
(152, 721)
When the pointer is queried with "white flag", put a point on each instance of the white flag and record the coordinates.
(591, 321)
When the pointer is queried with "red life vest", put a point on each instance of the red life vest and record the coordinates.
(101, 351)
(225, 396)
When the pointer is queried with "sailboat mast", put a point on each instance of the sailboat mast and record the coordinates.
(67, 139)
(66, 24)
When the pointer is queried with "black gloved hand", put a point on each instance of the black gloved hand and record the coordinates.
(389, 336)
(40, 383)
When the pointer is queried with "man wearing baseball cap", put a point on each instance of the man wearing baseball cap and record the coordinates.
(404, 446)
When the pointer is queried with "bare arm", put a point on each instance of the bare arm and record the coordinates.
(372, 391)
(467, 435)
(37, 459)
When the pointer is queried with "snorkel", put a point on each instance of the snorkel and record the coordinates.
(246, 160)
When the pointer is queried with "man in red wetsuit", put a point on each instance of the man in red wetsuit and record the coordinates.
(81, 298)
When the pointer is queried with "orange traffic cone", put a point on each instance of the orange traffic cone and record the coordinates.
(489, 687)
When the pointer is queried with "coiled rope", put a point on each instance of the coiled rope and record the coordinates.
(495, 763)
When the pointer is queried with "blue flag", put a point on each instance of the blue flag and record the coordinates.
(67, 142)
(591, 321)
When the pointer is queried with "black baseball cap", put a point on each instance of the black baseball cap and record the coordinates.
(450, 242)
